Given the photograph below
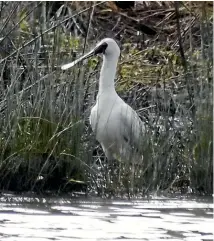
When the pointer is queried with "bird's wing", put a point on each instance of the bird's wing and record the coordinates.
(132, 127)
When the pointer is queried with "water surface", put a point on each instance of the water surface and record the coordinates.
(43, 219)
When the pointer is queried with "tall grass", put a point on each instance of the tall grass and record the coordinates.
(46, 142)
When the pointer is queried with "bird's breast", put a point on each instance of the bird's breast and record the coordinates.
(105, 120)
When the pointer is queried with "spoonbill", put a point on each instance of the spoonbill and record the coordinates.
(117, 126)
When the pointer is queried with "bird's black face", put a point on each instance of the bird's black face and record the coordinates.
(100, 49)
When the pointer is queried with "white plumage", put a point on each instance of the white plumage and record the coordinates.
(117, 126)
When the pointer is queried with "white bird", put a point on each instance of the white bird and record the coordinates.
(117, 126)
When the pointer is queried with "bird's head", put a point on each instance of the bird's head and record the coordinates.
(108, 47)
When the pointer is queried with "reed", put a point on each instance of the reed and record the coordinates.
(46, 143)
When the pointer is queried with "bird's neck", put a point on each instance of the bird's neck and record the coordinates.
(107, 75)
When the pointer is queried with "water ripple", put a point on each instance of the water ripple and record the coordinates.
(46, 219)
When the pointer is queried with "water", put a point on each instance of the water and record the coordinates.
(43, 219)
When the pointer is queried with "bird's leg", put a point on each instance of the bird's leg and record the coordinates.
(114, 169)
(132, 176)
(128, 178)
(110, 170)
(109, 167)
(135, 172)
(131, 168)
(113, 172)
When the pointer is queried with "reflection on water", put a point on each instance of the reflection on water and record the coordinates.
(24, 218)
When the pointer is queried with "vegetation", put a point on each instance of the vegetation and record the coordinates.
(46, 143)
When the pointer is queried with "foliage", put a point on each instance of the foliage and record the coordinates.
(45, 139)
